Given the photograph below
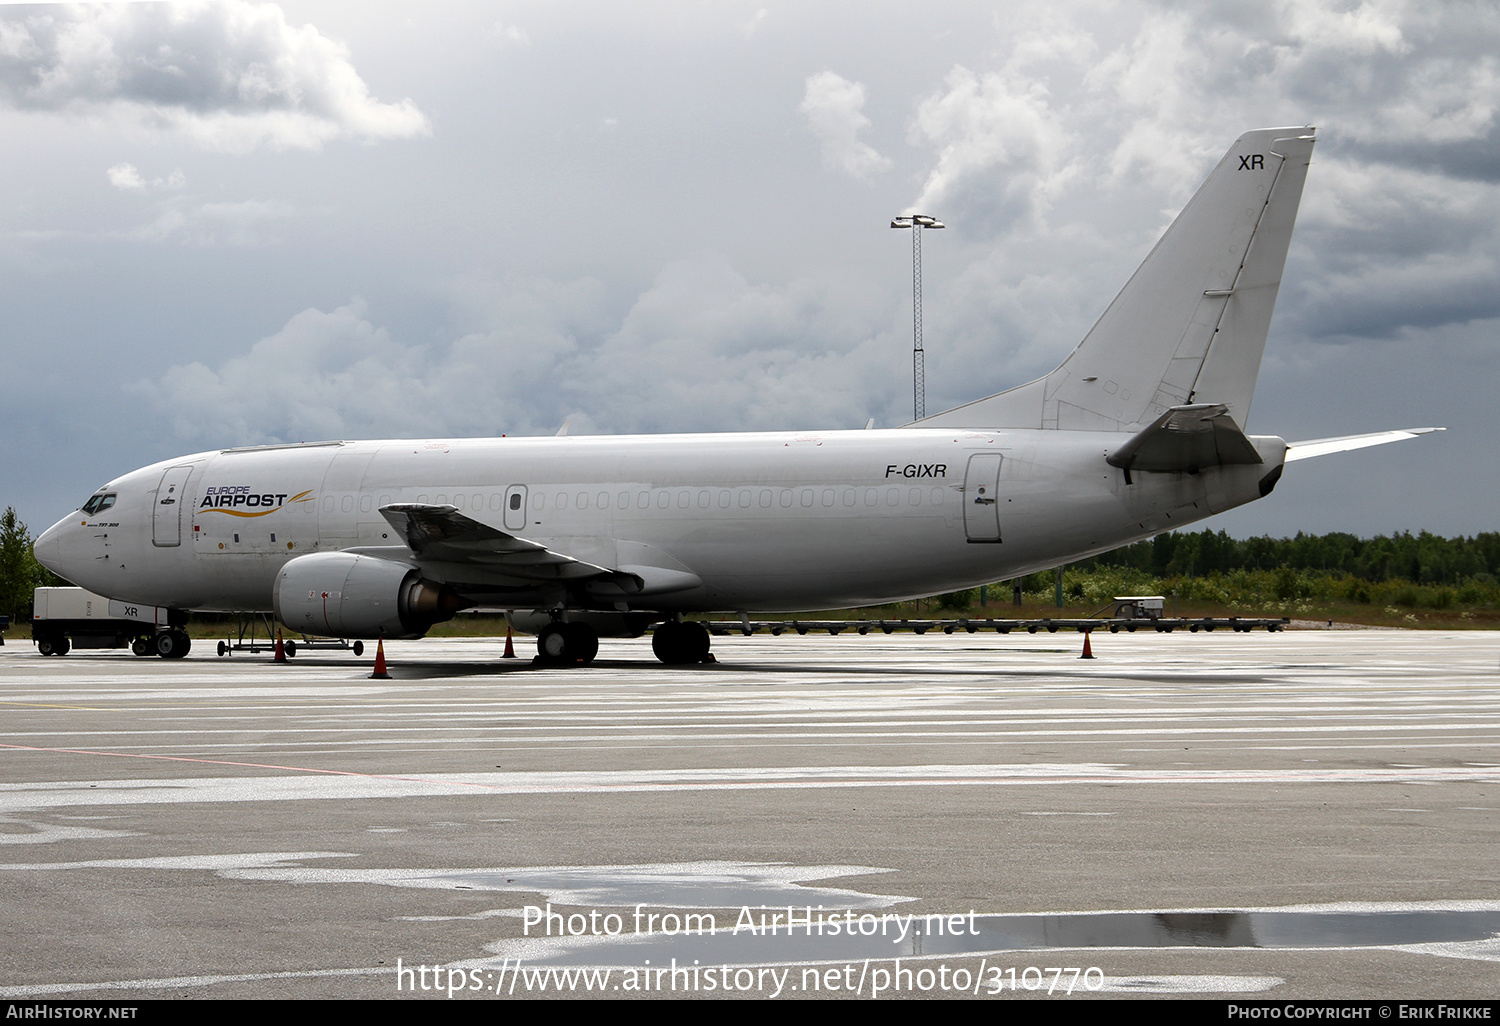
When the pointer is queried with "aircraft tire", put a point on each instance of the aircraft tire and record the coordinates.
(666, 642)
(552, 644)
(582, 643)
(173, 644)
(698, 642)
(680, 643)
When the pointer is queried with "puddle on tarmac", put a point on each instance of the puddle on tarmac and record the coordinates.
(839, 936)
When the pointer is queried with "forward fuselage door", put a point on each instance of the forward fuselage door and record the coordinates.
(982, 497)
(515, 508)
(166, 515)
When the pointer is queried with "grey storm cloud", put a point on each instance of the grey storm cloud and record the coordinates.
(233, 75)
(703, 343)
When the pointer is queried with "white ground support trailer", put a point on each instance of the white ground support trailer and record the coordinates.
(66, 617)
(1139, 607)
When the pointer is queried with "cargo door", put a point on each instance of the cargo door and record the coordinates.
(171, 497)
(982, 497)
(339, 509)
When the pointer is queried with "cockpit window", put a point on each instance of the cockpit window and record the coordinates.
(99, 503)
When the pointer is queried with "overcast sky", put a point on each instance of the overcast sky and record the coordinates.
(236, 222)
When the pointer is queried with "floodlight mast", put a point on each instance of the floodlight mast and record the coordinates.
(916, 222)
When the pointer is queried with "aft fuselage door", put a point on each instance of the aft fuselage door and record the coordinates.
(166, 515)
(515, 508)
(982, 497)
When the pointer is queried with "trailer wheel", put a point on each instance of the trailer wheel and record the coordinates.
(173, 644)
(141, 646)
(223, 649)
(359, 648)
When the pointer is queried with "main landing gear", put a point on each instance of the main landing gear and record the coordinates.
(680, 642)
(675, 642)
(566, 644)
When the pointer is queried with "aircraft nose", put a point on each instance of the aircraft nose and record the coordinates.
(48, 551)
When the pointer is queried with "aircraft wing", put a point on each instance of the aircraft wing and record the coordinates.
(443, 534)
(1324, 446)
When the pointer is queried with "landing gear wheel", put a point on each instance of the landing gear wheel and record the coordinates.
(678, 643)
(552, 643)
(567, 644)
(583, 643)
(173, 644)
(142, 646)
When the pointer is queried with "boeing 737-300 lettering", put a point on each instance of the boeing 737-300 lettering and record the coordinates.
(1139, 431)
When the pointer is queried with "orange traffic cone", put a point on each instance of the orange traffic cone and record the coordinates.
(510, 647)
(280, 652)
(380, 673)
(1088, 652)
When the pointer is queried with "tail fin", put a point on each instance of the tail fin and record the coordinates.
(1190, 325)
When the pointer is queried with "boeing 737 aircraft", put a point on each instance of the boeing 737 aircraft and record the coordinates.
(1139, 431)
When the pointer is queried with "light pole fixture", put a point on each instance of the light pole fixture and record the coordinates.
(916, 222)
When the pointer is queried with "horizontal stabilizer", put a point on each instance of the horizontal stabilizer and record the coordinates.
(1324, 446)
(1187, 438)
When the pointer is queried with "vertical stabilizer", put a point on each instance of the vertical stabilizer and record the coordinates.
(1190, 325)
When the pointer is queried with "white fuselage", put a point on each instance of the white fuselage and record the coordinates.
(763, 521)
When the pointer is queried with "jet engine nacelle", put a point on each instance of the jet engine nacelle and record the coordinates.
(343, 595)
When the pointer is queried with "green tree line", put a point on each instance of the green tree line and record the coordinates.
(1389, 576)
(20, 573)
(1419, 559)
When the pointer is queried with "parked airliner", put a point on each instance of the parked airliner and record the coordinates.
(1137, 432)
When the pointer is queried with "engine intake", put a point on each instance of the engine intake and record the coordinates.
(344, 595)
